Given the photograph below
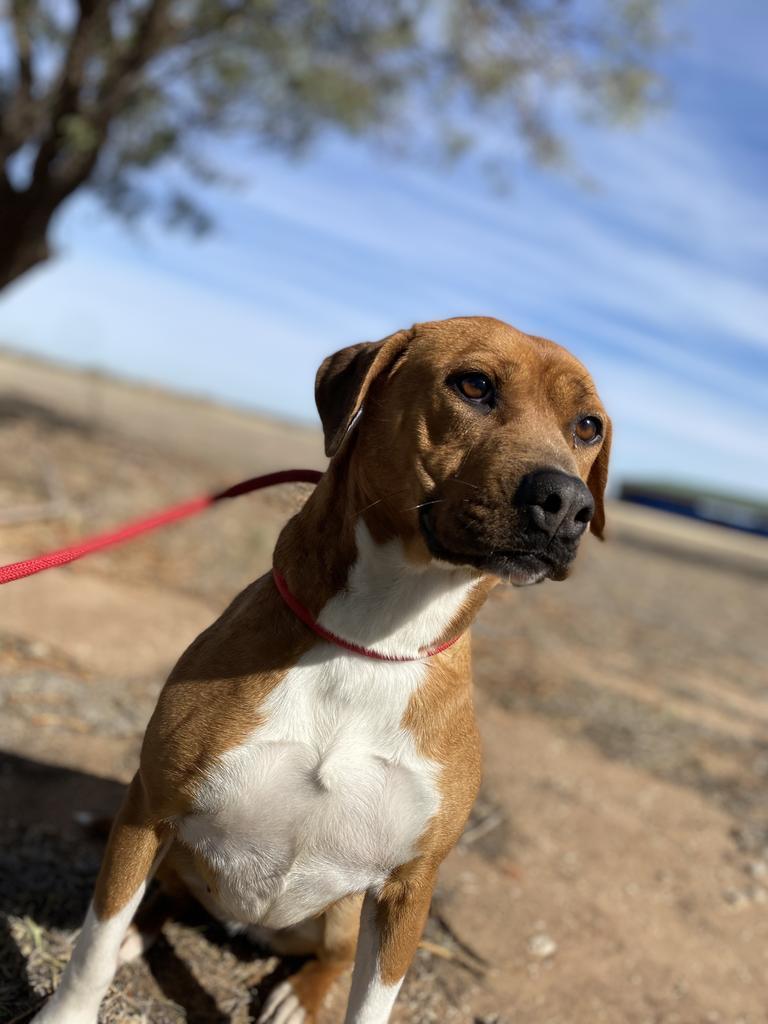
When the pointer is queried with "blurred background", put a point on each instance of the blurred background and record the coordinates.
(199, 200)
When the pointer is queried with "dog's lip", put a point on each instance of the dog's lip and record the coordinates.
(520, 566)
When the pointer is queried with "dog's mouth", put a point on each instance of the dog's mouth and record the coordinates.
(522, 567)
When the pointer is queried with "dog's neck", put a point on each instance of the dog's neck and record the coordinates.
(370, 592)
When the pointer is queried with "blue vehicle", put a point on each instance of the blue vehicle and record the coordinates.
(747, 515)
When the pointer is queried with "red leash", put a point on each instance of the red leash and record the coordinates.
(18, 570)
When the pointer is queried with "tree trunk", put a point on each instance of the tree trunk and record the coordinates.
(23, 238)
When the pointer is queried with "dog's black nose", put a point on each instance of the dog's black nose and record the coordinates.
(556, 503)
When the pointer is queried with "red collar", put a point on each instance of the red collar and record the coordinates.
(305, 615)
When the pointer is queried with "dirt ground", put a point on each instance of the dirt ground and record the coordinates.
(616, 866)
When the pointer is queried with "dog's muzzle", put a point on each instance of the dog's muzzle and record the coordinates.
(538, 538)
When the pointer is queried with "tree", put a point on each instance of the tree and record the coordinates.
(96, 93)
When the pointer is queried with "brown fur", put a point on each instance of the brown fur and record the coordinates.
(335, 953)
(212, 698)
(414, 443)
(134, 843)
(442, 720)
(473, 463)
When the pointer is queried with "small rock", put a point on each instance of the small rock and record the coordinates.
(735, 897)
(542, 946)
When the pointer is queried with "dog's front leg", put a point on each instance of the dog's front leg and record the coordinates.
(134, 849)
(391, 924)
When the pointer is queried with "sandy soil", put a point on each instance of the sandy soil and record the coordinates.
(616, 866)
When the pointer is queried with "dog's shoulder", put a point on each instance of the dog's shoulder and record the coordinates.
(213, 697)
(441, 719)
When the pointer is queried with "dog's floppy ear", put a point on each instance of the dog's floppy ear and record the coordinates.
(343, 381)
(597, 480)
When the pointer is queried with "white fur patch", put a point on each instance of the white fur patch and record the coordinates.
(89, 973)
(391, 605)
(370, 1000)
(329, 795)
(324, 799)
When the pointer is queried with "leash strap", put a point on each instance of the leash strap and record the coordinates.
(63, 556)
(19, 570)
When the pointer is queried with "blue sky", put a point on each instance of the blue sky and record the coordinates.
(656, 276)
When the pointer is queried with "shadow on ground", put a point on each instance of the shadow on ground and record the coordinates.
(17, 407)
(48, 866)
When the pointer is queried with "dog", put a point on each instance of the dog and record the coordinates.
(314, 755)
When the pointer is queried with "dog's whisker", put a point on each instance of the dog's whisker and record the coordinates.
(465, 482)
(365, 509)
(400, 490)
(434, 501)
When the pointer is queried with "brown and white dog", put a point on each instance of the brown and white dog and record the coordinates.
(288, 781)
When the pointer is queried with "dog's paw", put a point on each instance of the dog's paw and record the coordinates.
(283, 1007)
(134, 945)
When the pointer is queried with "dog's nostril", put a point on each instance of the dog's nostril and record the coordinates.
(556, 503)
(553, 503)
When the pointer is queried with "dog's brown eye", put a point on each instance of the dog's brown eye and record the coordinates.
(475, 387)
(588, 430)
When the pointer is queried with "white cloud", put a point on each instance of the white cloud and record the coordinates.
(655, 279)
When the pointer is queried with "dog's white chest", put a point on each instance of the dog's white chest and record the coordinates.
(322, 800)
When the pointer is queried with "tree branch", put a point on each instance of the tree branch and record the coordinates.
(152, 34)
(19, 21)
(19, 110)
(93, 13)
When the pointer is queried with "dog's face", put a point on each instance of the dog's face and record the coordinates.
(476, 444)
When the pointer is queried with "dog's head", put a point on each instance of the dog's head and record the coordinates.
(476, 444)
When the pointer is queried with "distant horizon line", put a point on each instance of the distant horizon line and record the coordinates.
(83, 368)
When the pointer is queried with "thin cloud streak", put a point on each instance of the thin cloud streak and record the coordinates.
(654, 278)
